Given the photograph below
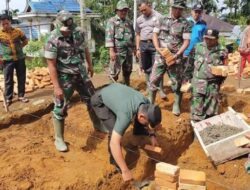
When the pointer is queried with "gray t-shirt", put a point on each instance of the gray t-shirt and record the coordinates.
(145, 25)
(124, 102)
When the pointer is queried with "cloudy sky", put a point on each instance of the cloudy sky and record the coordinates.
(20, 4)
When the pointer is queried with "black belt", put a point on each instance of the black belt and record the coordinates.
(147, 41)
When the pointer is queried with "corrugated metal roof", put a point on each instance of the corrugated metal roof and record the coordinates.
(54, 6)
(43, 7)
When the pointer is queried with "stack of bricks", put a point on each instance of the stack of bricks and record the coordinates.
(166, 176)
(170, 177)
(220, 70)
(192, 180)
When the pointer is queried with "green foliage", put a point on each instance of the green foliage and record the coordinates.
(34, 52)
(34, 48)
(227, 42)
(35, 62)
(100, 59)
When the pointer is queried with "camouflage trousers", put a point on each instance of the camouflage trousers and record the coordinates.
(69, 83)
(188, 67)
(124, 62)
(175, 73)
(205, 100)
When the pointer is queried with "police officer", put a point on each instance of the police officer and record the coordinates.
(116, 116)
(199, 28)
(145, 49)
(172, 32)
(119, 38)
(65, 51)
(205, 85)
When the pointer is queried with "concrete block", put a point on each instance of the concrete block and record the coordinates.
(240, 90)
(155, 149)
(246, 91)
(167, 177)
(192, 177)
(167, 168)
(228, 88)
(241, 141)
(167, 184)
(183, 186)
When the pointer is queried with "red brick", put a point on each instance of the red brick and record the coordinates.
(241, 141)
(167, 168)
(183, 186)
(192, 177)
(167, 177)
(155, 149)
(167, 184)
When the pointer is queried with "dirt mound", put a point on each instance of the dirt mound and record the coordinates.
(30, 161)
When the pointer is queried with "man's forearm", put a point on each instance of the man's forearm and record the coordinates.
(183, 47)
(116, 150)
(88, 57)
(156, 41)
(137, 40)
(53, 72)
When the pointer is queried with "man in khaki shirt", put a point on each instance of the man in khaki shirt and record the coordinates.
(244, 47)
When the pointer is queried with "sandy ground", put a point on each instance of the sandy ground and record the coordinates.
(30, 161)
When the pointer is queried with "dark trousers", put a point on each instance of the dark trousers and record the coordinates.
(108, 119)
(147, 55)
(8, 71)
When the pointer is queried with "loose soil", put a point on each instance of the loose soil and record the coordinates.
(29, 159)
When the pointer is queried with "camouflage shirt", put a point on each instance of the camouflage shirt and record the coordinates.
(172, 32)
(11, 44)
(205, 58)
(119, 33)
(68, 51)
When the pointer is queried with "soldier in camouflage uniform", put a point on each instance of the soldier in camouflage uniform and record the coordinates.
(172, 32)
(119, 38)
(65, 51)
(205, 85)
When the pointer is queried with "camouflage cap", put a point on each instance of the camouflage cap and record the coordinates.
(211, 34)
(64, 15)
(122, 5)
(179, 4)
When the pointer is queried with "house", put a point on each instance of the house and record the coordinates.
(38, 16)
(213, 22)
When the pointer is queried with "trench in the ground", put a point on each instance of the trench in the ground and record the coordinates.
(86, 166)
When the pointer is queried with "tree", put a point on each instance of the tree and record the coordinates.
(245, 7)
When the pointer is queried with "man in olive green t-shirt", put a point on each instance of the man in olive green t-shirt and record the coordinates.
(117, 105)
